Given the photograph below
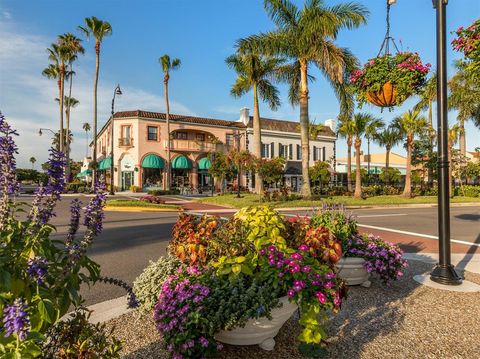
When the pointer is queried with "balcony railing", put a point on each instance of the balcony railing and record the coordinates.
(125, 142)
(189, 145)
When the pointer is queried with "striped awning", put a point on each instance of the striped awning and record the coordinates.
(153, 161)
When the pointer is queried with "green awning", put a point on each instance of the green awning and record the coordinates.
(204, 164)
(84, 173)
(105, 164)
(181, 162)
(153, 161)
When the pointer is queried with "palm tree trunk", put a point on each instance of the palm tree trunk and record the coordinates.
(358, 172)
(349, 164)
(86, 144)
(95, 86)
(67, 118)
(462, 139)
(407, 192)
(257, 139)
(304, 121)
(386, 177)
(167, 117)
(62, 94)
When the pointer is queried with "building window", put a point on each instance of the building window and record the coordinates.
(319, 153)
(152, 133)
(285, 151)
(200, 137)
(299, 152)
(229, 140)
(181, 135)
(126, 139)
(266, 150)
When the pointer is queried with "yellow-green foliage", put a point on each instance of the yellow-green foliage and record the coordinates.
(264, 226)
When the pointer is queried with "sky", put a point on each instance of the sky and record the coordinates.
(202, 34)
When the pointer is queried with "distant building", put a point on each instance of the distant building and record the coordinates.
(140, 148)
(377, 162)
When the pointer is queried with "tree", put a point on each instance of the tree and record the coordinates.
(73, 47)
(423, 154)
(388, 138)
(346, 130)
(410, 124)
(70, 102)
(168, 66)
(361, 124)
(390, 175)
(32, 161)
(221, 168)
(307, 38)
(86, 128)
(320, 172)
(255, 73)
(465, 98)
(271, 170)
(98, 29)
(56, 139)
(453, 136)
(370, 132)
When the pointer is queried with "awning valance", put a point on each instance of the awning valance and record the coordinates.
(105, 164)
(204, 164)
(84, 173)
(181, 162)
(153, 161)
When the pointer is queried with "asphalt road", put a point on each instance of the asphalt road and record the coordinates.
(131, 239)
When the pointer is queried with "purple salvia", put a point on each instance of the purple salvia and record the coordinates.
(94, 214)
(16, 319)
(37, 268)
(8, 180)
(75, 208)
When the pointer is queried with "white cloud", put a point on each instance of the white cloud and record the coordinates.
(27, 98)
(6, 15)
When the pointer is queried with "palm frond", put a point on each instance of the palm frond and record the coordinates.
(269, 94)
(282, 12)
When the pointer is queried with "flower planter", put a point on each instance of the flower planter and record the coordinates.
(386, 97)
(260, 331)
(353, 271)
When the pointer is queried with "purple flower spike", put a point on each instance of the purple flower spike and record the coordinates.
(37, 268)
(16, 319)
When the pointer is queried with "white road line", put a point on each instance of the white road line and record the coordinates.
(383, 215)
(416, 234)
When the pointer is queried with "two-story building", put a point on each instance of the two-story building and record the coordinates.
(140, 148)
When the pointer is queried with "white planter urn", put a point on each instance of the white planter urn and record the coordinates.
(260, 331)
(353, 271)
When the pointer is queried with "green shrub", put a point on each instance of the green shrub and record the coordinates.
(469, 191)
(134, 189)
(80, 189)
(161, 192)
(148, 284)
(390, 191)
(371, 191)
(341, 224)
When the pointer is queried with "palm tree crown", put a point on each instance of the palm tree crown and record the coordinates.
(306, 36)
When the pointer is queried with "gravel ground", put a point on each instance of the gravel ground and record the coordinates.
(404, 320)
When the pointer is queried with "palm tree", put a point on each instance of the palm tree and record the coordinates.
(306, 36)
(167, 66)
(453, 135)
(86, 127)
(52, 72)
(33, 160)
(410, 123)
(370, 132)
(56, 139)
(98, 29)
(346, 130)
(73, 47)
(362, 123)
(70, 102)
(254, 73)
(427, 97)
(388, 138)
(465, 98)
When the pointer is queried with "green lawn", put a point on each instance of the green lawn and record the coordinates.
(137, 203)
(253, 199)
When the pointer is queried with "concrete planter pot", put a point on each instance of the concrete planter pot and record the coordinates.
(353, 271)
(260, 331)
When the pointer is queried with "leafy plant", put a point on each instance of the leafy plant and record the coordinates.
(148, 284)
(76, 337)
(152, 199)
(404, 70)
(468, 42)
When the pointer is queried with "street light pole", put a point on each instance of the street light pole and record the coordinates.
(444, 272)
(117, 91)
(237, 136)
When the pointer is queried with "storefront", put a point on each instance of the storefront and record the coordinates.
(204, 178)
(152, 171)
(127, 168)
(181, 168)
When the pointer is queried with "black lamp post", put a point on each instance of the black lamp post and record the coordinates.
(118, 92)
(444, 272)
(237, 137)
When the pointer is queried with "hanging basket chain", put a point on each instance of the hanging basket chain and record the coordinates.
(385, 44)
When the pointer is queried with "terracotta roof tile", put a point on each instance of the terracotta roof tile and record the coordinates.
(286, 126)
(180, 118)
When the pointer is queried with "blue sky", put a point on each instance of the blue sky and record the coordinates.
(202, 34)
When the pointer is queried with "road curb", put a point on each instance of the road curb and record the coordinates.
(109, 309)
(140, 209)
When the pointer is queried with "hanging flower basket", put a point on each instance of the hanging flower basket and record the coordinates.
(388, 80)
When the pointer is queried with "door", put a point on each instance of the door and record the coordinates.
(127, 180)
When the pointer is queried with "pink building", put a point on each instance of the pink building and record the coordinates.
(140, 148)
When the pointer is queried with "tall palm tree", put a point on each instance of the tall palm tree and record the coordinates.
(346, 130)
(388, 138)
(73, 47)
(410, 124)
(98, 29)
(427, 97)
(86, 127)
(362, 122)
(56, 139)
(70, 102)
(465, 98)
(370, 132)
(306, 36)
(255, 72)
(167, 66)
(32, 161)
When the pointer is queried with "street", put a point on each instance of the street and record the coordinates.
(130, 239)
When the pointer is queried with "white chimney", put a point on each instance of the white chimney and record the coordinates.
(244, 116)
(331, 123)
